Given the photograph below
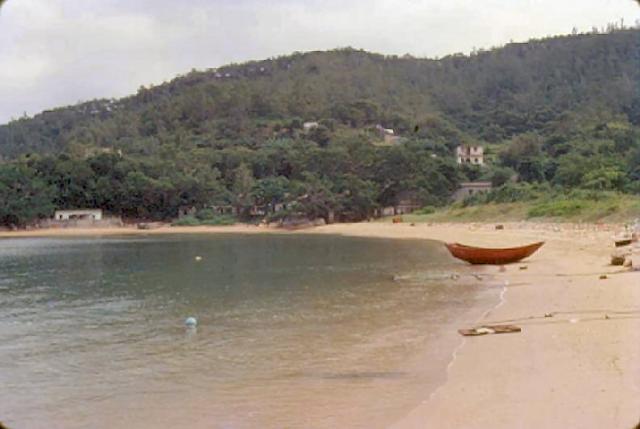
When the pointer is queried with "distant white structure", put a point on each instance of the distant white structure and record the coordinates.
(308, 126)
(388, 134)
(385, 131)
(81, 214)
(470, 155)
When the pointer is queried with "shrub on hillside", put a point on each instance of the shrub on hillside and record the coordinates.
(426, 210)
(205, 214)
(219, 220)
(214, 220)
(512, 193)
(561, 208)
(186, 221)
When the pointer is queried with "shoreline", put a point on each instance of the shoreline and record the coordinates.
(580, 367)
(362, 229)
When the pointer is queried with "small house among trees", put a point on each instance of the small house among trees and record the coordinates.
(387, 134)
(470, 155)
(80, 218)
(308, 126)
(81, 214)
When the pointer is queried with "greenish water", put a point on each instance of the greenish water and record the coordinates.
(294, 331)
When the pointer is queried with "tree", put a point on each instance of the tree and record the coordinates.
(25, 196)
(605, 178)
(356, 198)
(315, 198)
(320, 135)
(524, 155)
(501, 175)
(562, 110)
(243, 182)
(270, 191)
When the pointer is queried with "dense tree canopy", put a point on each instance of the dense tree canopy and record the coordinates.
(563, 110)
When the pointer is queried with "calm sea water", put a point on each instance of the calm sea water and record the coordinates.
(294, 331)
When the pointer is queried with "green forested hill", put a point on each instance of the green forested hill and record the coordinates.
(563, 110)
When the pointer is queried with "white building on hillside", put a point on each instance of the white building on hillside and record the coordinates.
(470, 155)
(308, 126)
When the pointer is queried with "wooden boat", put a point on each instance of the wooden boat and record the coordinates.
(487, 256)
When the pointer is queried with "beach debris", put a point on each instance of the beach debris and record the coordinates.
(523, 267)
(489, 329)
(397, 219)
(574, 320)
(499, 227)
(412, 224)
(619, 256)
(427, 276)
(191, 322)
(603, 277)
(606, 316)
(548, 314)
(617, 260)
(623, 240)
(198, 258)
(150, 225)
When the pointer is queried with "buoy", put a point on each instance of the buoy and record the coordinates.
(191, 322)
(198, 258)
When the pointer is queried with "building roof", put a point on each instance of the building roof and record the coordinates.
(475, 185)
(78, 210)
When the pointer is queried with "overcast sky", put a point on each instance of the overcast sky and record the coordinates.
(59, 52)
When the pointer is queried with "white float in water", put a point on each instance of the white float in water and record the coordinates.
(198, 258)
(191, 322)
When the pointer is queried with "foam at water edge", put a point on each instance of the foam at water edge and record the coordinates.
(454, 354)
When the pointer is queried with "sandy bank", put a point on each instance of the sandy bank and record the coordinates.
(132, 230)
(577, 369)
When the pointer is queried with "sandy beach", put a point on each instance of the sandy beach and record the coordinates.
(578, 367)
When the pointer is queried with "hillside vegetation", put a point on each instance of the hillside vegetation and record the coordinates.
(563, 112)
(578, 206)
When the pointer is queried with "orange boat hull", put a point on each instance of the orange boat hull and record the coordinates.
(487, 256)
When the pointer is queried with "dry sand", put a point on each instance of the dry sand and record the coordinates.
(579, 368)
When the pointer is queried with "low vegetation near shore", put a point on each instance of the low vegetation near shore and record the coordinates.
(205, 217)
(572, 206)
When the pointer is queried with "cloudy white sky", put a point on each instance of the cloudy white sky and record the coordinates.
(58, 52)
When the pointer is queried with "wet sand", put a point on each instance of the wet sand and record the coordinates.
(578, 368)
